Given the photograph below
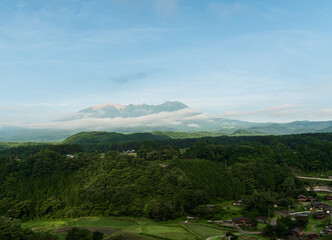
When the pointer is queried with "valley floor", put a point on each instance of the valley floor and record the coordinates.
(139, 229)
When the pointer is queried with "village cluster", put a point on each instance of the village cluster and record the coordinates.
(312, 208)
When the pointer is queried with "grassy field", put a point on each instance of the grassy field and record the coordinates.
(322, 196)
(261, 226)
(135, 229)
(205, 231)
(46, 225)
(314, 225)
(169, 231)
(132, 229)
(252, 237)
(106, 222)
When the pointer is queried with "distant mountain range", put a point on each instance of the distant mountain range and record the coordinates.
(172, 117)
(109, 110)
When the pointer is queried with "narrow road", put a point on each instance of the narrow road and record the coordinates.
(209, 238)
(238, 234)
(313, 178)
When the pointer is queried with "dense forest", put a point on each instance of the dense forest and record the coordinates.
(306, 152)
(161, 180)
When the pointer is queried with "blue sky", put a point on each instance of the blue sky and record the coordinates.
(253, 60)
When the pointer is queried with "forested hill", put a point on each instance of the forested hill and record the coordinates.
(104, 141)
(101, 137)
(162, 180)
(110, 137)
(159, 183)
(97, 137)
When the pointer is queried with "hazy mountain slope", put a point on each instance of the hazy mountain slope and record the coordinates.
(243, 132)
(34, 135)
(108, 110)
(185, 135)
(293, 127)
(328, 129)
(166, 117)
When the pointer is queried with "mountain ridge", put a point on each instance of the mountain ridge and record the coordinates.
(174, 117)
(108, 110)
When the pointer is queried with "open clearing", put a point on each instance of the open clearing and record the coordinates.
(141, 229)
(205, 231)
(135, 228)
(106, 231)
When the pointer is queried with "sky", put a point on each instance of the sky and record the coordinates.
(252, 60)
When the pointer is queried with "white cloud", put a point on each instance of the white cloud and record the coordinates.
(282, 113)
(275, 110)
(152, 120)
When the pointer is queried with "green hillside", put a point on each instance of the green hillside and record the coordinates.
(110, 137)
(113, 137)
(185, 135)
(243, 132)
(51, 184)
(329, 129)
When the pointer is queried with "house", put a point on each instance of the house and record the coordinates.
(263, 220)
(276, 203)
(313, 236)
(319, 215)
(238, 203)
(328, 210)
(327, 230)
(324, 232)
(328, 198)
(311, 199)
(297, 232)
(242, 221)
(302, 216)
(302, 198)
(319, 205)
